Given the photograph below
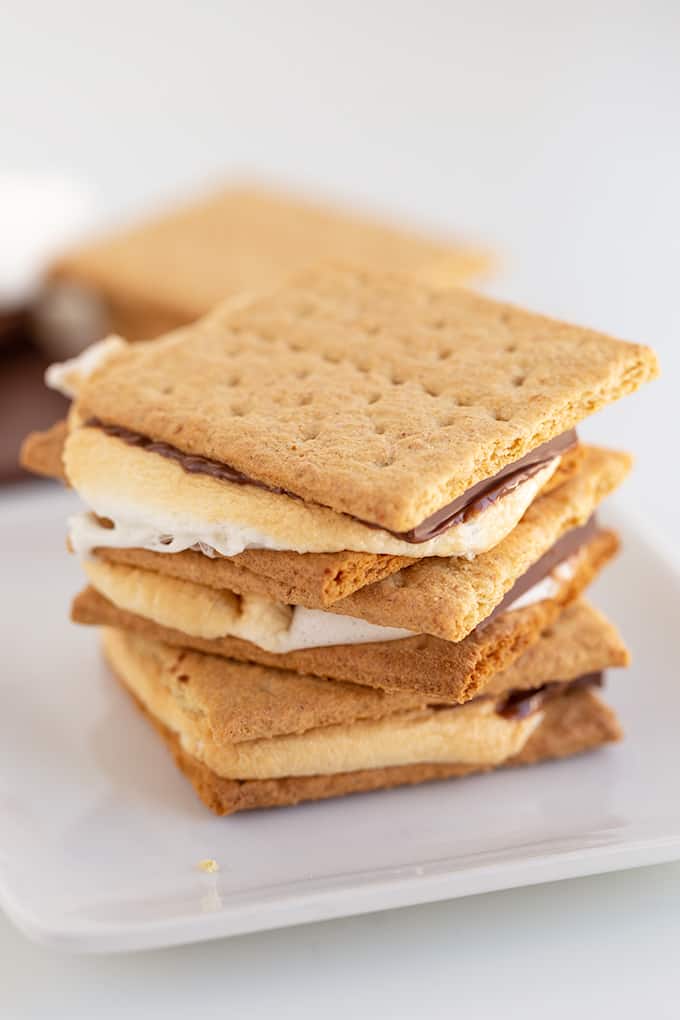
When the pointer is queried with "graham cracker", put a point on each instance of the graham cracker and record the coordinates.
(315, 580)
(448, 598)
(573, 722)
(242, 701)
(110, 472)
(422, 666)
(368, 394)
(442, 597)
(581, 641)
(311, 579)
(174, 268)
(41, 452)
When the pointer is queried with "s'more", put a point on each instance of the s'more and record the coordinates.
(250, 736)
(356, 484)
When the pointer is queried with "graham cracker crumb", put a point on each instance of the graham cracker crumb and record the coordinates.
(208, 864)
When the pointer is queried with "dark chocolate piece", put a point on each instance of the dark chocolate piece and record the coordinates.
(25, 404)
(564, 547)
(477, 498)
(521, 704)
(13, 327)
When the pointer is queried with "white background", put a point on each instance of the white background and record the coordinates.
(552, 133)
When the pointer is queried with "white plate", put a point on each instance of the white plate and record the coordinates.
(100, 836)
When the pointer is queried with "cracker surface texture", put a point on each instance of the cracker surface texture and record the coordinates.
(170, 270)
(368, 394)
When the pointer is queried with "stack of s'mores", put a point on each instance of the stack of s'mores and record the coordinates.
(337, 536)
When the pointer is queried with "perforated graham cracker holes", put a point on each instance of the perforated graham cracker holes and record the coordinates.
(448, 421)
(267, 336)
(379, 355)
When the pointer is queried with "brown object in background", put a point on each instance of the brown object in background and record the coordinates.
(172, 269)
(25, 403)
(12, 327)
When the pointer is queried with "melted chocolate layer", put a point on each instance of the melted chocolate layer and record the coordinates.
(564, 547)
(521, 704)
(477, 498)
(190, 463)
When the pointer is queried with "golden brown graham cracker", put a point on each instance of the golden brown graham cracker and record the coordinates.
(241, 702)
(41, 452)
(443, 596)
(175, 267)
(368, 394)
(573, 722)
(581, 641)
(312, 579)
(425, 666)
(315, 580)
(226, 719)
(449, 597)
(140, 590)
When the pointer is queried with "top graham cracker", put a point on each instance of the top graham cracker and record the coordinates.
(369, 394)
(176, 267)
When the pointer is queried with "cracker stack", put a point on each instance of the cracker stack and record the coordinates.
(337, 536)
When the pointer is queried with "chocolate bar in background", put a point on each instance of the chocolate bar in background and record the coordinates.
(40, 215)
(25, 403)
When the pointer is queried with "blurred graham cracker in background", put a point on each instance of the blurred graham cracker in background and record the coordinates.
(157, 274)
(172, 269)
